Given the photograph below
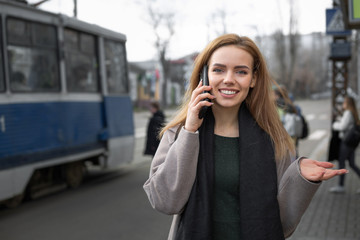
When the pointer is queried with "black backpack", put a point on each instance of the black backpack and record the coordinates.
(305, 129)
(352, 136)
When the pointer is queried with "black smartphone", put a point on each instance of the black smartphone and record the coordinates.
(205, 79)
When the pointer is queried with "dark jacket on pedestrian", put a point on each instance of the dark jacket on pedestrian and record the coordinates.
(154, 127)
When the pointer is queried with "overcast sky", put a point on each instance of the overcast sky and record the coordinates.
(193, 24)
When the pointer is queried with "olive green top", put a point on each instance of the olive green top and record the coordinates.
(226, 216)
(173, 173)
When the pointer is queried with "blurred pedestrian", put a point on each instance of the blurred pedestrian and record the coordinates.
(280, 103)
(289, 115)
(155, 124)
(345, 123)
(230, 175)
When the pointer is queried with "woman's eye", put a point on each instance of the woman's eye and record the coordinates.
(217, 70)
(242, 72)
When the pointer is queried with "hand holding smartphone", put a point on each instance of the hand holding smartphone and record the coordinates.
(205, 80)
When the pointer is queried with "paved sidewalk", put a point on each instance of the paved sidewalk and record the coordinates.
(333, 216)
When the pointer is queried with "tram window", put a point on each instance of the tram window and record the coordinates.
(115, 59)
(87, 44)
(2, 79)
(44, 36)
(32, 55)
(81, 62)
(19, 32)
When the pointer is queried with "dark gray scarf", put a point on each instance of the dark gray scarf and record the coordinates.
(259, 208)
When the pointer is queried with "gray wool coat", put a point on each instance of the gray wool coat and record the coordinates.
(173, 172)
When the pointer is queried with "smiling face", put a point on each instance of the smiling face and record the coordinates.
(231, 76)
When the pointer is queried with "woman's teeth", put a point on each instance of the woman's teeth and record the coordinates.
(227, 92)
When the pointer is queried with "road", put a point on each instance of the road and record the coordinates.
(113, 205)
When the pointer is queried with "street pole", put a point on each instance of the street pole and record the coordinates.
(358, 62)
(75, 8)
(340, 54)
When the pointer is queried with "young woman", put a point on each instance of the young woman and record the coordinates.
(349, 117)
(230, 175)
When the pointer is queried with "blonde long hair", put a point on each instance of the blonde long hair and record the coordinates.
(260, 100)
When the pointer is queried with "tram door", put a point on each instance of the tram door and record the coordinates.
(118, 109)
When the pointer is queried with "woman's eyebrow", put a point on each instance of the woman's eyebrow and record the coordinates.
(236, 67)
(242, 66)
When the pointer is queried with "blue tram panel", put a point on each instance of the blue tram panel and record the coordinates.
(120, 122)
(49, 128)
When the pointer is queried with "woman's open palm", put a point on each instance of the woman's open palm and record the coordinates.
(314, 170)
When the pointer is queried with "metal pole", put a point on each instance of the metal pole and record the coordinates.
(75, 8)
(358, 61)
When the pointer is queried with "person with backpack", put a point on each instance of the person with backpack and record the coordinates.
(343, 125)
(290, 115)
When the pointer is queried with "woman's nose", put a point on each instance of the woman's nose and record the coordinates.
(229, 77)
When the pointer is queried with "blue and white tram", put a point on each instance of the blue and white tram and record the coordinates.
(64, 100)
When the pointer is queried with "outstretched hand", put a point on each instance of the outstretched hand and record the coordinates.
(315, 171)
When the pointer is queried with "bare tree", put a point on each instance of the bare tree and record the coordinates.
(293, 43)
(286, 48)
(280, 56)
(162, 24)
(217, 22)
(220, 15)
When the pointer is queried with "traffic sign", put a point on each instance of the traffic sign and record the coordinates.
(335, 23)
(340, 51)
(354, 11)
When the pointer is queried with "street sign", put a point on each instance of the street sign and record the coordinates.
(335, 24)
(354, 11)
(340, 51)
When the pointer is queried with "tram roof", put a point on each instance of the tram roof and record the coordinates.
(25, 11)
